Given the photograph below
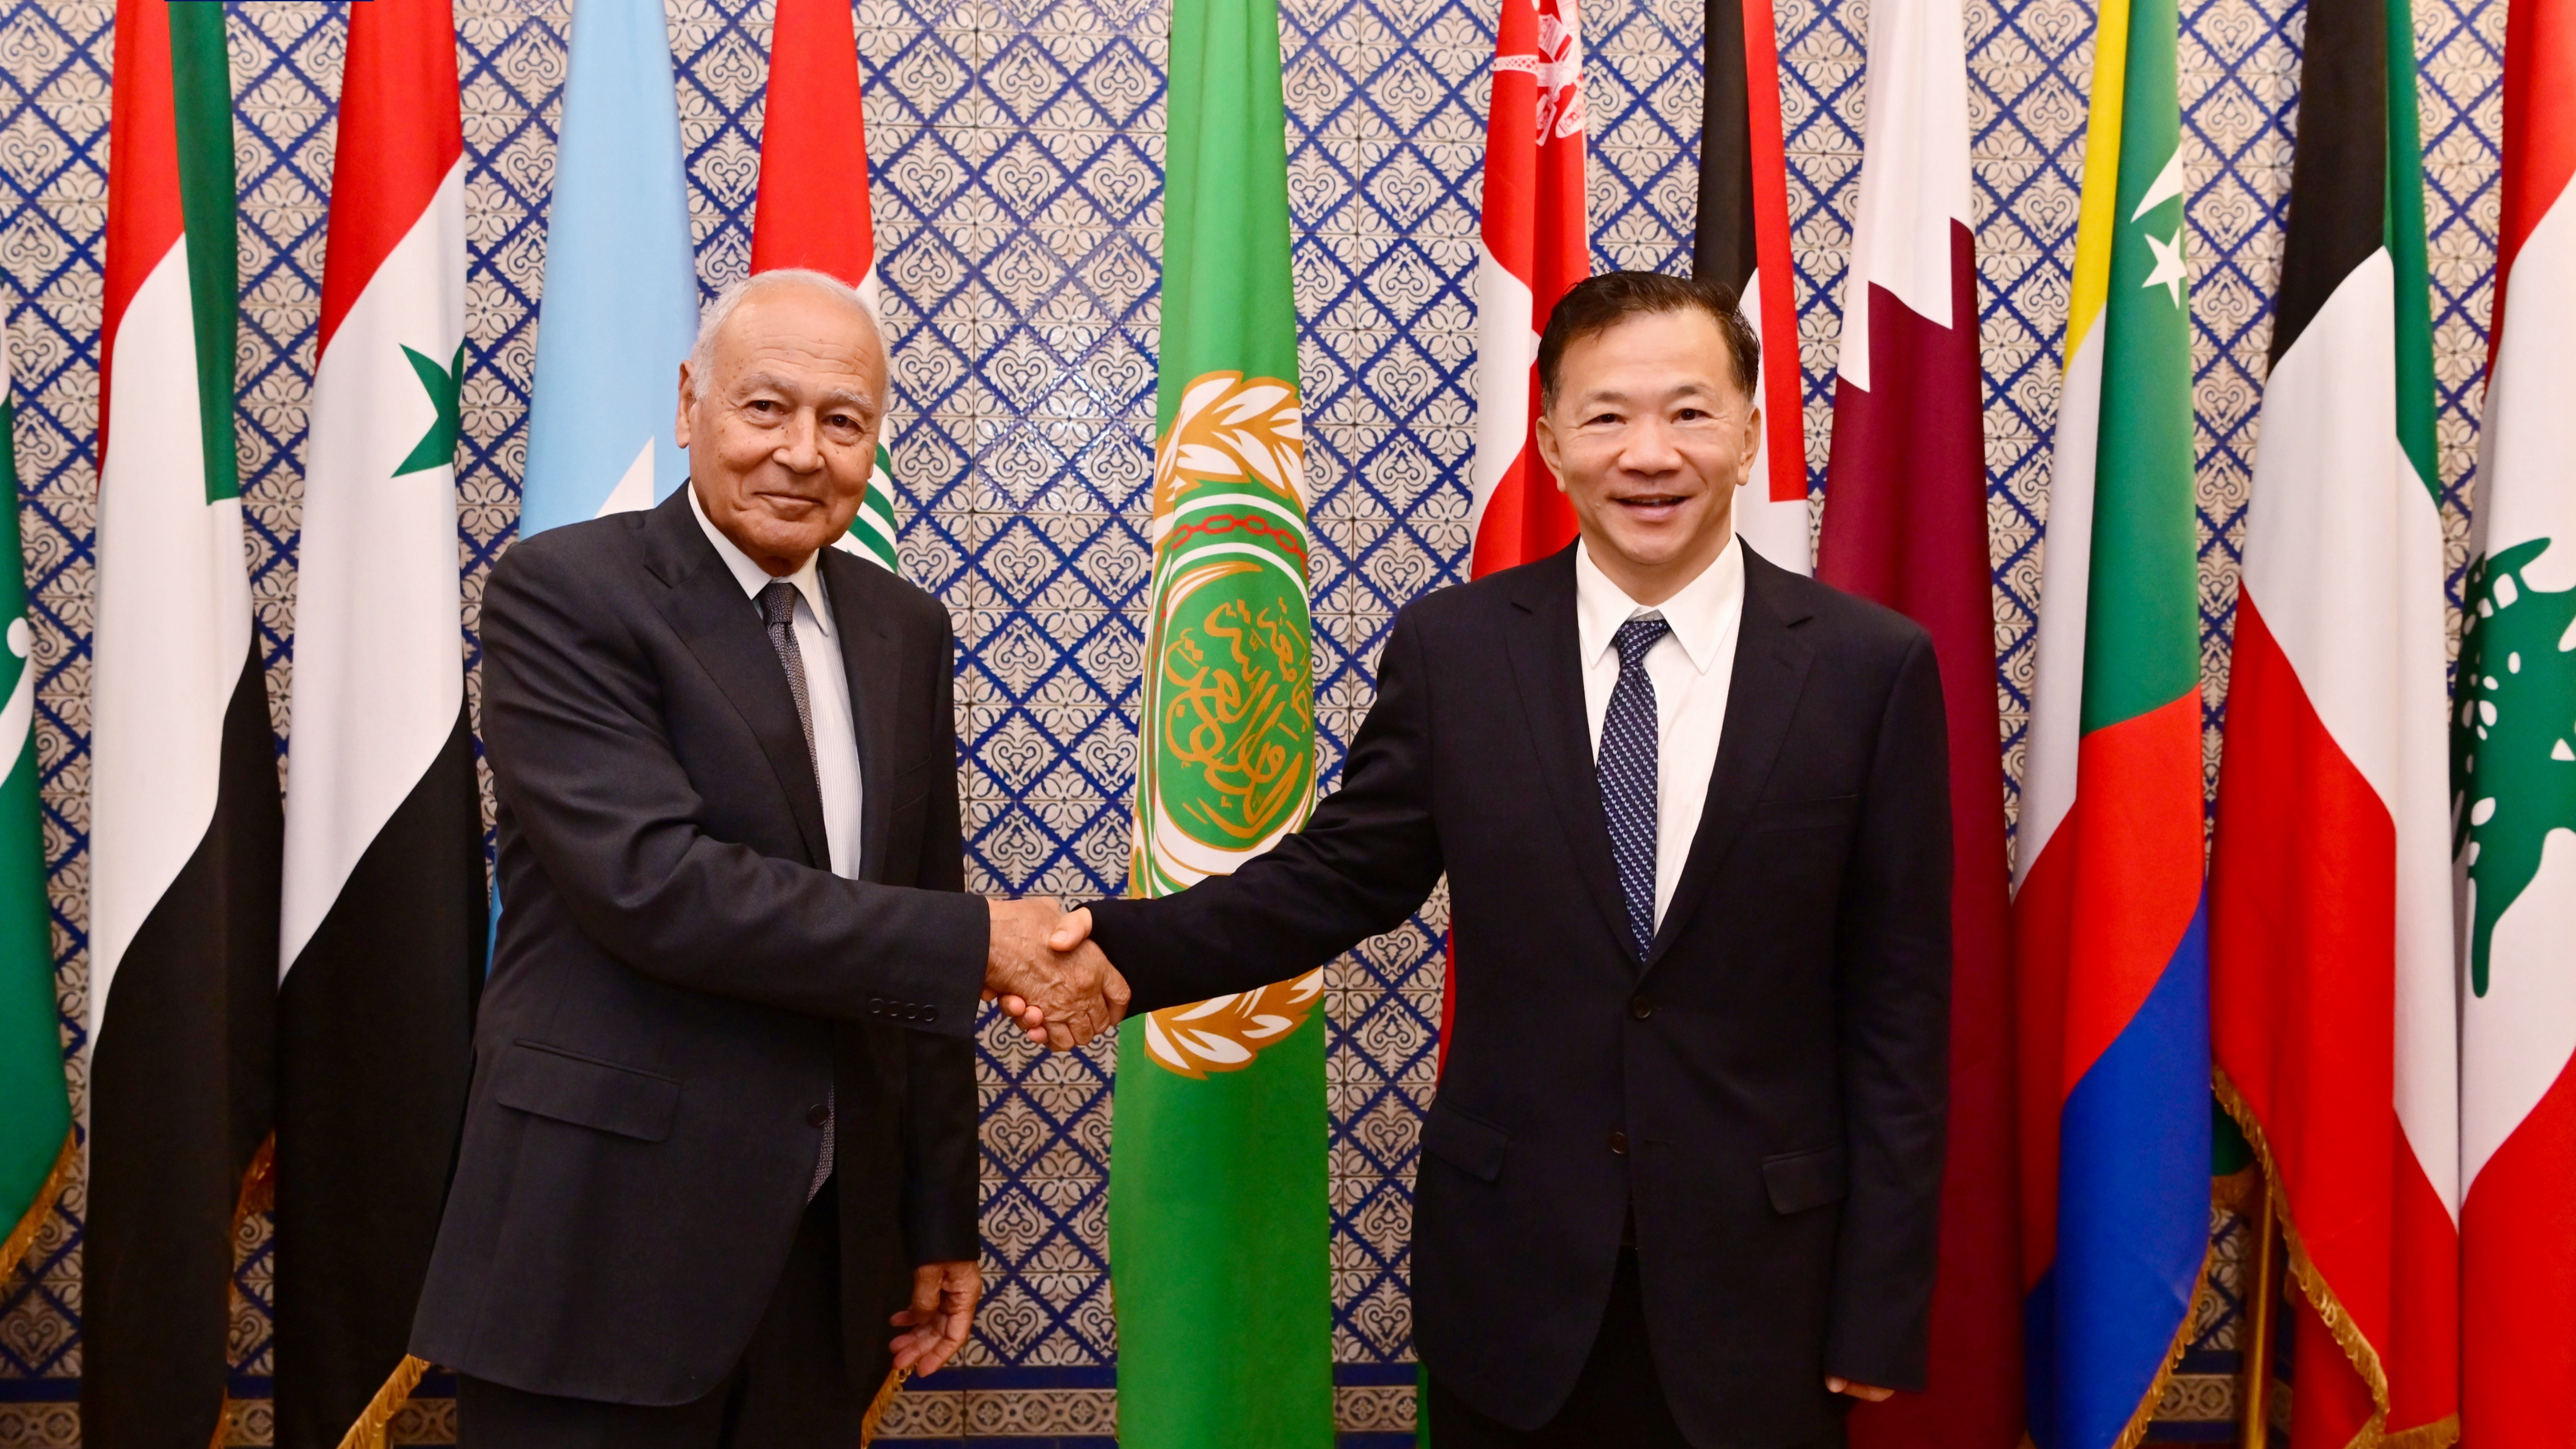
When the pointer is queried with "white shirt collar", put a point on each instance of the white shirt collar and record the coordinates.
(1699, 614)
(808, 577)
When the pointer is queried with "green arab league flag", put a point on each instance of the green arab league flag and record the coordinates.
(36, 1131)
(1219, 1230)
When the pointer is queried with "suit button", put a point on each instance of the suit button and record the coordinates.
(930, 1013)
(1619, 1143)
(1641, 1006)
(817, 1115)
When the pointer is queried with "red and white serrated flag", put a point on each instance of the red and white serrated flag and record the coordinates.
(1531, 248)
(812, 211)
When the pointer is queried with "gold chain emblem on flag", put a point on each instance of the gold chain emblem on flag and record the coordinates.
(1226, 1033)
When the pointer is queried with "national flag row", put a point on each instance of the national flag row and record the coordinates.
(281, 995)
(2097, 1021)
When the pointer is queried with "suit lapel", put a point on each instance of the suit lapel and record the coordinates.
(871, 658)
(1547, 666)
(1771, 663)
(721, 627)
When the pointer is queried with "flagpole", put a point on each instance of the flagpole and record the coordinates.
(2254, 1333)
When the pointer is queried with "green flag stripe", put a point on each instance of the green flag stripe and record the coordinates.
(38, 1123)
(2407, 252)
(2142, 623)
(202, 85)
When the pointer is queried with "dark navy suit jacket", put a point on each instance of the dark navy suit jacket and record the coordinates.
(680, 979)
(1765, 1088)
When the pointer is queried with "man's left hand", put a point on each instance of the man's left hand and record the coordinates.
(943, 1309)
(1836, 1384)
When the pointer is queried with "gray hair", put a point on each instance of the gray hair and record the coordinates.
(717, 313)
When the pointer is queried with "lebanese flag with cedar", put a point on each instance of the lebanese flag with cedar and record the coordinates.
(1530, 250)
(1905, 524)
(2514, 783)
(813, 211)
(1742, 242)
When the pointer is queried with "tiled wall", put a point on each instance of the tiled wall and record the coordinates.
(1017, 147)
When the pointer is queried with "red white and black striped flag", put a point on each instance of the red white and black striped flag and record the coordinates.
(1905, 524)
(383, 909)
(1743, 242)
(183, 768)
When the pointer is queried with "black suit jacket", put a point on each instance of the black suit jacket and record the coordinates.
(1766, 1086)
(680, 979)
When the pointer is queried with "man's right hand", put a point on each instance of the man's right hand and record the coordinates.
(1063, 995)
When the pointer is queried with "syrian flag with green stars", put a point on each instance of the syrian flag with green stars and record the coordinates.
(382, 921)
(183, 846)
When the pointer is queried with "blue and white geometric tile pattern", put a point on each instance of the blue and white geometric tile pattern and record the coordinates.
(1016, 150)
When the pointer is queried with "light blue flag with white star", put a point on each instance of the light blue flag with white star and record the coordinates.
(620, 307)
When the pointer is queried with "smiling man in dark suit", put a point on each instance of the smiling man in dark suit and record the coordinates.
(722, 1123)
(1679, 1183)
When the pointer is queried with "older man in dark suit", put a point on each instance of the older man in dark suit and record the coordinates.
(722, 1124)
(1678, 1186)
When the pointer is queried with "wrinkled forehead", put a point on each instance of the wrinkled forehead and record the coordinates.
(795, 330)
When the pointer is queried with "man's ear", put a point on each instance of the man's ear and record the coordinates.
(1752, 444)
(1547, 447)
(680, 426)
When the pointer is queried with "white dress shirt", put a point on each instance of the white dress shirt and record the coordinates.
(1692, 668)
(827, 690)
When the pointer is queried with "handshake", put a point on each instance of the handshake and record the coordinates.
(1044, 973)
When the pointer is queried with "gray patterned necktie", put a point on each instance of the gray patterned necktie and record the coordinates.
(778, 612)
(1629, 763)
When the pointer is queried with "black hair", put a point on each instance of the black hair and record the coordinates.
(1598, 303)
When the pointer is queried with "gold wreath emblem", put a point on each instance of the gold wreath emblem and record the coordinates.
(1226, 1033)
(1233, 429)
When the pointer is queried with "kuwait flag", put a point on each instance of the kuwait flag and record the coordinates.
(813, 207)
(1743, 242)
(381, 938)
(2110, 940)
(1219, 1237)
(1530, 248)
(621, 288)
(2331, 987)
(183, 769)
(2514, 783)
(36, 1132)
(1905, 524)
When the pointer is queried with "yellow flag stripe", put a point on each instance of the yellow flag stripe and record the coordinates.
(2097, 216)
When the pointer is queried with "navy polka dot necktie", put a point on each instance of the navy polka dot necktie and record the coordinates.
(1628, 766)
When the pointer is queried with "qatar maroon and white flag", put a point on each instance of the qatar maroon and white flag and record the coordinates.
(1905, 524)
(1533, 247)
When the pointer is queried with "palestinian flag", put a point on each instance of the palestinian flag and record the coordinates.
(1743, 242)
(813, 208)
(1531, 248)
(1219, 1222)
(2332, 1012)
(183, 768)
(1905, 524)
(2110, 938)
(36, 1133)
(383, 917)
(2514, 783)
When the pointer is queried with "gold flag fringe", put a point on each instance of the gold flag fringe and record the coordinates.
(370, 1430)
(2441, 1433)
(258, 1195)
(876, 1407)
(13, 1250)
(2145, 1415)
